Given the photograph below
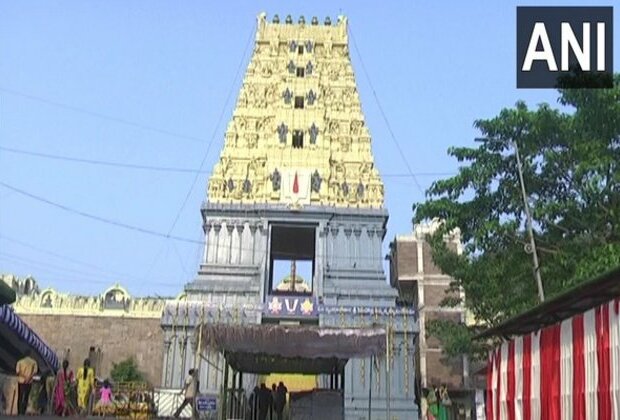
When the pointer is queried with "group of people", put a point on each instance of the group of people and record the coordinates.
(66, 394)
(265, 401)
(435, 404)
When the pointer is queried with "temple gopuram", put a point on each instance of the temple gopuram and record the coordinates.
(291, 280)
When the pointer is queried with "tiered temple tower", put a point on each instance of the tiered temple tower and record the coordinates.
(296, 182)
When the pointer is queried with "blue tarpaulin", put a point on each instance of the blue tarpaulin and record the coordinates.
(17, 338)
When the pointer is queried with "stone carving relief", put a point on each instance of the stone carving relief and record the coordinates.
(344, 143)
(360, 191)
(287, 95)
(251, 140)
(276, 180)
(334, 71)
(266, 69)
(315, 182)
(282, 132)
(116, 298)
(311, 97)
(262, 127)
(314, 132)
(247, 186)
(356, 127)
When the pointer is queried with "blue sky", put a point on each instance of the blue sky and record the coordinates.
(145, 82)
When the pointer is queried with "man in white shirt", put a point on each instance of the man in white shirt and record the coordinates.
(190, 393)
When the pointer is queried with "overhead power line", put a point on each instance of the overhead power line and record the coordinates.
(95, 217)
(385, 119)
(170, 169)
(90, 266)
(95, 114)
(102, 162)
(136, 228)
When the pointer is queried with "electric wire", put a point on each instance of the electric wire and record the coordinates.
(139, 229)
(206, 154)
(95, 114)
(169, 169)
(61, 276)
(385, 119)
(94, 268)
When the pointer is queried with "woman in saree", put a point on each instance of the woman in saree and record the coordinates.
(433, 407)
(444, 403)
(62, 389)
(86, 384)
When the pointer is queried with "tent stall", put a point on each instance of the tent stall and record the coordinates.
(310, 349)
(561, 359)
(7, 294)
(291, 349)
(17, 338)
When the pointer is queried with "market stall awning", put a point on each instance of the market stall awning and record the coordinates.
(17, 338)
(576, 300)
(291, 349)
(7, 294)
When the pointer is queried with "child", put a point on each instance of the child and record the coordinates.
(104, 405)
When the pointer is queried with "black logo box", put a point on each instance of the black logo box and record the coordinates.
(540, 76)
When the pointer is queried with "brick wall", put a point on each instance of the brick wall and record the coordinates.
(118, 338)
(443, 370)
(434, 295)
(429, 264)
(406, 258)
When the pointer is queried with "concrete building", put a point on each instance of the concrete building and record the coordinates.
(296, 199)
(422, 283)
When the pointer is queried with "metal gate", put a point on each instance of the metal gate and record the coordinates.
(235, 405)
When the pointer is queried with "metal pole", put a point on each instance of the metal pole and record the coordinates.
(198, 349)
(541, 293)
(388, 393)
(370, 388)
(225, 389)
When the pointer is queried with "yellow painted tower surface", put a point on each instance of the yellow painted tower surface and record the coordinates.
(294, 382)
(278, 150)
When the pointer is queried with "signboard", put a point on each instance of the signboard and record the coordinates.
(206, 403)
(556, 42)
(290, 306)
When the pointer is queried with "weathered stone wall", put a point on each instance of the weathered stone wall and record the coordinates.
(117, 337)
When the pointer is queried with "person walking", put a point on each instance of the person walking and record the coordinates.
(25, 369)
(85, 385)
(280, 400)
(272, 408)
(190, 390)
(264, 402)
(62, 391)
(254, 403)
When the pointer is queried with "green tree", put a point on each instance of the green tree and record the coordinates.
(126, 371)
(570, 162)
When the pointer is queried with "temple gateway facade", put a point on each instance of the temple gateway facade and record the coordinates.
(294, 223)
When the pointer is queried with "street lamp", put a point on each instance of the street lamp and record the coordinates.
(531, 247)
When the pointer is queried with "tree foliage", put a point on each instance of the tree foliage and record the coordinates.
(571, 168)
(126, 371)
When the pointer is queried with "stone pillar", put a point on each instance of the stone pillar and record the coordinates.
(217, 228)
(211, 244)
(234, 231)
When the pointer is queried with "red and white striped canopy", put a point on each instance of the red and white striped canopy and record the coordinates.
(567, 371)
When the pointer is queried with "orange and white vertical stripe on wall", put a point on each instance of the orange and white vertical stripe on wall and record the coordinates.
(567, 371)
